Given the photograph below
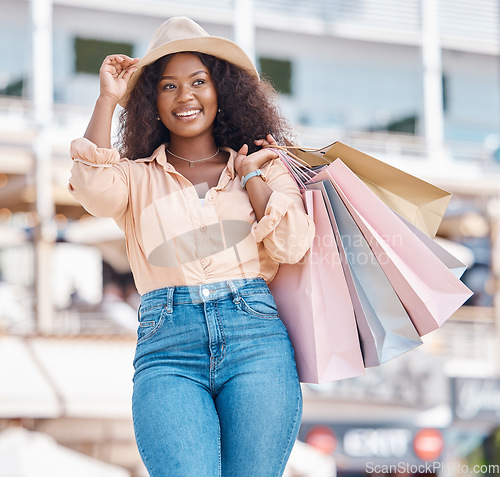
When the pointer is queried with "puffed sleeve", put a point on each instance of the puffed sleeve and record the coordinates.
(285, 230)
(99, 179)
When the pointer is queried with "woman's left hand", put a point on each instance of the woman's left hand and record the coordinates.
(244, 164)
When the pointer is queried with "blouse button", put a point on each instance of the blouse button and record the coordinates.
(203, 261)
(203, 228)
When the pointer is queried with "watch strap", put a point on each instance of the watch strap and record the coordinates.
(244, 179)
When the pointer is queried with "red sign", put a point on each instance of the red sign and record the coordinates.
(428, 444)
(322, 438)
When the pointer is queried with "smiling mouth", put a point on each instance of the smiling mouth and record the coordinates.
(187, 114)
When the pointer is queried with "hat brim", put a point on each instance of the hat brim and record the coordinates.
(210, 45)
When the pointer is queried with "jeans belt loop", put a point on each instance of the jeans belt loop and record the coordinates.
(234, 290)
(170, 300)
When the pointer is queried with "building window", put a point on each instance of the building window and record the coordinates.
(445, 82)
(89, 53)
(407, 124)
(15, 87)
(278, 72)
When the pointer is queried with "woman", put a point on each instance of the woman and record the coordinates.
(215, 385)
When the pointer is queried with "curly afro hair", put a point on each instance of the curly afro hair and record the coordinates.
(247, 110)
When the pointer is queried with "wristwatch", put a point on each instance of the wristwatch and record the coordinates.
(244, 179)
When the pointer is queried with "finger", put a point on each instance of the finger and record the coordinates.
(118, 62)
(271, 140)
(127, 61)
(112, 64)
(128, 73)
(111, 59)
(243, 150)
(270, 154)
(259, 158)
(120, 58)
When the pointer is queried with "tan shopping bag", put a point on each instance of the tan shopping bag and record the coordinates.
(419, 202)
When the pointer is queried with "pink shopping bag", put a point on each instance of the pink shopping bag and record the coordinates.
(385, 329)
(430, 292)
(451, 262)
(314, 304)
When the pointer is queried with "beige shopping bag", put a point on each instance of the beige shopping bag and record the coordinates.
(419, 202)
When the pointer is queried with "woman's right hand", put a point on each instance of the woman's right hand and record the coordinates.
(114, 75)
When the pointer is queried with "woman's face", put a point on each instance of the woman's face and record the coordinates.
(187, 98)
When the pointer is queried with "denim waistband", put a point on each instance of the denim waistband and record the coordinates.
(205, 292)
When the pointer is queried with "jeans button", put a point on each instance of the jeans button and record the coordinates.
(205, 292)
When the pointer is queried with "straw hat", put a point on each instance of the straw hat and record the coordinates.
(183, 34)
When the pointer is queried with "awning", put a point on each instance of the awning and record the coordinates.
(104, 234)
(66, 376)
(33, 454)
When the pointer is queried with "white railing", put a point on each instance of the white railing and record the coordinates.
(66, 323)
(479, 20)
(388, 14)
(470, 335)
(404, 145)
(459, 19)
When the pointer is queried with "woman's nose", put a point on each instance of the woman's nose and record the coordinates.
(185, 94)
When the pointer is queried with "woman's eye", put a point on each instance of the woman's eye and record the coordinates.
(199, 82)
(168, 86)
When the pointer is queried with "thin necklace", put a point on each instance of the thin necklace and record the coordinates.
(192, 163)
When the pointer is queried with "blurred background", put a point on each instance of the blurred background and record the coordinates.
(415, 83)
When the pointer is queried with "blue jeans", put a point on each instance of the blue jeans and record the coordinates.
(216, 391)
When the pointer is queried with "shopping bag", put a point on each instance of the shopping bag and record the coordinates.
(385, 329)
(452, 262)
(419, 202)
(314, 304)
(303, 174)
(429, 291)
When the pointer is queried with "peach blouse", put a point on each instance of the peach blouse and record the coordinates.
(172, 237)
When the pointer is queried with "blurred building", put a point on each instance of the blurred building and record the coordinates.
(414, 83)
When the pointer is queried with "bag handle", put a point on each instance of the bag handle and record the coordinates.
(298, 169)
(287, 149)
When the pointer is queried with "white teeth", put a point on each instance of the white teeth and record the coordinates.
(188, 113)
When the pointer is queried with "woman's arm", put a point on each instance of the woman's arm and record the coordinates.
(97, 180)
(114, 75)
(258, 191)
(282, 223)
